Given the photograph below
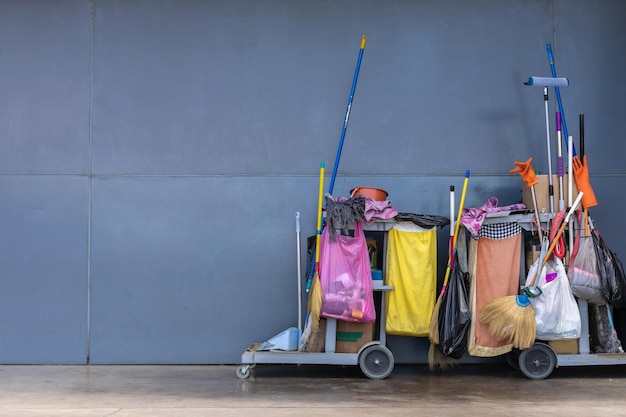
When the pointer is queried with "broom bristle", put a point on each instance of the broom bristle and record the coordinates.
(433, 331)
(509, 321)
(436, 359)
(315, 302)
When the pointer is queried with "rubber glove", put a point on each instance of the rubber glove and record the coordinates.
(581, 176)
(527, 172)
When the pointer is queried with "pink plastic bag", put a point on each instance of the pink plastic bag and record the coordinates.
(346, 277)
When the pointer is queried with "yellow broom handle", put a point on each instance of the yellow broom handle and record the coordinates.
(319, 216)
(461, 205)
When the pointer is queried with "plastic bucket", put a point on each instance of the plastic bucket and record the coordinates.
(377, 194)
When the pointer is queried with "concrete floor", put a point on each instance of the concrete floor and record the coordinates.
(288, 390)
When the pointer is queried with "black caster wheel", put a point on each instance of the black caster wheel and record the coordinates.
(243, 371)
(538, 361)
(376, 362)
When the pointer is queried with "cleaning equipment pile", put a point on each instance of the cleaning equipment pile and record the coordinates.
(486, 302)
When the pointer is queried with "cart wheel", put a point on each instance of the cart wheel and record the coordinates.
(376, 362)
(512, 358)
(243, 371)
(538, 361)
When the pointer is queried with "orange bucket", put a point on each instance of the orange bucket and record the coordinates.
(376, 194)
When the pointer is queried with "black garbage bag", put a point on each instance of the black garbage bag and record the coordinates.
(611, 272)
(454, 314)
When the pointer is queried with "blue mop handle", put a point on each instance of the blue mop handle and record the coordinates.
(345, 121)
(558, 97)
(310, 275)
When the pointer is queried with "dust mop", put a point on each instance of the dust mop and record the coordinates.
(546, 82)
(557, 90)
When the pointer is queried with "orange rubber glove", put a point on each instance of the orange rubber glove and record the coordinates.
(527, 172)
(581, 176)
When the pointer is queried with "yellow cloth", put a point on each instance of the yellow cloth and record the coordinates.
(411, 269)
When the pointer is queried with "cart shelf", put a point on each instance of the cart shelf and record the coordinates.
(374, 358)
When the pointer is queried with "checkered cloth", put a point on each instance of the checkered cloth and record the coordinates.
(499, 231)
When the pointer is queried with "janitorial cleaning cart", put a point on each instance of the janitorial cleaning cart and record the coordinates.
(348, 332)
(373, 357)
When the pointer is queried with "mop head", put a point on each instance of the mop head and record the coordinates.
(427, 221)
(511, 319)
(342, 213)
(547, 82)
(603, 335)
(437, 360)
(313, 341)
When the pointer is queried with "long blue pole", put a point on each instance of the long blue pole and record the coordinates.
(345, 121)
(558, 98)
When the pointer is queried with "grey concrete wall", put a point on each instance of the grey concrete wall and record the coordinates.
(154, 153)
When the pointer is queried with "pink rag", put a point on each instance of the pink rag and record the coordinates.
(473, 218)
(378, 210)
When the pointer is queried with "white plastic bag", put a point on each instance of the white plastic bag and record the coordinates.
(556, 310)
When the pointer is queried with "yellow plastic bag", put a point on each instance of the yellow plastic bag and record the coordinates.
(412, 271)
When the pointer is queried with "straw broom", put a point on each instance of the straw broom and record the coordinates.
(435, 357)
(513, 317)
(315, 298)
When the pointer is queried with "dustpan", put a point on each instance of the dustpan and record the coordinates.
(288, 339)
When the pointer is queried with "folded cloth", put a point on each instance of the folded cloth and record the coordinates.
(473, 218)
(378, 210)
